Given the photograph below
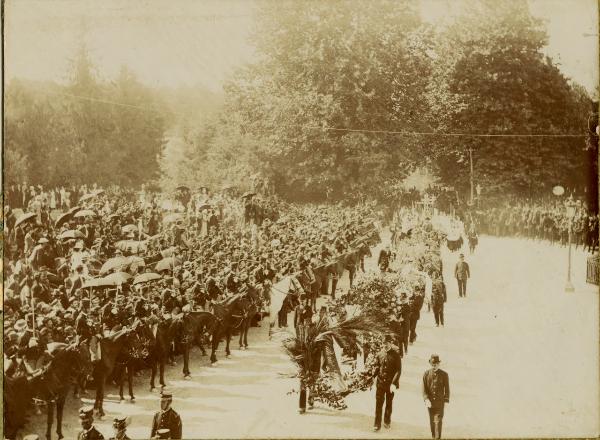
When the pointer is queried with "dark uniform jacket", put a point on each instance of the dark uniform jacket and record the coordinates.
(92, 434)
(461, 271)
(436, 387)
(167, 420)
(384, 258)
(438, 294)
(388, 368)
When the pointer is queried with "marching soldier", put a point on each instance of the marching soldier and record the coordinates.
(436, 393)
(89, 432)
(438, 298)
(462, 274)
(388, 369)
(167, 418)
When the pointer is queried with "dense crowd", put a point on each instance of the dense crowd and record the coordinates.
(102, 262)
(547, 221)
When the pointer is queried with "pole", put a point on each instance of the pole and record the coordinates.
(569, 287)
(471, 162)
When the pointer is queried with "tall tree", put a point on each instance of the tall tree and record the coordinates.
(492, 77)
(325, 66)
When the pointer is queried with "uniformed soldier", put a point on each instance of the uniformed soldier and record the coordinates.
(120, 427)
(167, 418)
(436, 393)
(438, 298)
(388, 369)
(86, 418)
(462, 274)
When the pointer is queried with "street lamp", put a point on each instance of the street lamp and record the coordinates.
(570, 205)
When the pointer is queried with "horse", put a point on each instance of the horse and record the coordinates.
(136, 351)
(112, 348)
(190, 329)
(17, 397)
(67, 363)
(252, 309)
(230, 314)
(160, 350)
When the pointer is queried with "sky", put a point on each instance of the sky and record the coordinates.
(191, 42)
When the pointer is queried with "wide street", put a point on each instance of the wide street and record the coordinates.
(517, 350)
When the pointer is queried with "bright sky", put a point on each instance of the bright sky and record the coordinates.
(168, 43)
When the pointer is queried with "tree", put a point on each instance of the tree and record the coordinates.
(324, 66)
(492, 77)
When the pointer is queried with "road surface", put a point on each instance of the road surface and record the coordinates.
(521, 354)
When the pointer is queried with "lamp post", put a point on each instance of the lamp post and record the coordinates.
(570, 205)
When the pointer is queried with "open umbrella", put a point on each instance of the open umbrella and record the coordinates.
(85, 197)
(168, 252)
(129, 228)
(182, 188)
(132, 246)
(117, 278)
(71, 234)
(172, 218)
(167, 264)
(248, 194)
(114, 263)
(62, 219)
(113, 216)
(135, 262)
(98, 192)
(95, 282)
(85, 213)
(145, 277)
(27, 217)
(75, 209)
(205, 206)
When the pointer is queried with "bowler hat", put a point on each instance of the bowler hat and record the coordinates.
(434, 359)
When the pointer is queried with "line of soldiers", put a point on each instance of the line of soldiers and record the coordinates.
(540, 223)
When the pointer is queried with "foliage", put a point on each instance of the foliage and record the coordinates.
(492, 77)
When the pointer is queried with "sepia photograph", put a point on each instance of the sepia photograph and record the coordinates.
(300, 219)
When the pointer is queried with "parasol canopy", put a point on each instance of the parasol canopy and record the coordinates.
(75, 209)
(27, 217)
(85, 213)
(248, 194)
(182, 188)
(117, 278)
(62, 219)
(71, 234)
(85, 197)
(167, 264)
(129, 228)
(114, 263)
(205, 206)
(145, 277)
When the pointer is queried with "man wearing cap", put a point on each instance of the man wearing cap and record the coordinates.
(462, 273)
(166, 418)
(388, 368)
(438, 298)
(436, 393)
(86, 418)
(120, 428)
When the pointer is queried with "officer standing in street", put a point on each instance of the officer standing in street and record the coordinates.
(120, 428)
(388, 369)
(89, 432)
(462, 274)
(436, 393)
(166, 418)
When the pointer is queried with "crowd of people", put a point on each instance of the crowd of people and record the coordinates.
(547, 222)
(101, 262)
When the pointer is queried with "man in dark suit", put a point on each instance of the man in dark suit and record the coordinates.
(461, 272)
(89, 432)
(388, 369)
(436, 393)
(166, 418)
(438, 298)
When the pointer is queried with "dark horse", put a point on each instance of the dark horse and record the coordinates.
(190, 329)
(136, 351)
(68, 362)
(230, 314)
(17, 398)
(112, 348)
(253, 307)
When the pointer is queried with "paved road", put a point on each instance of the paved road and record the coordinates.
(520, 353)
